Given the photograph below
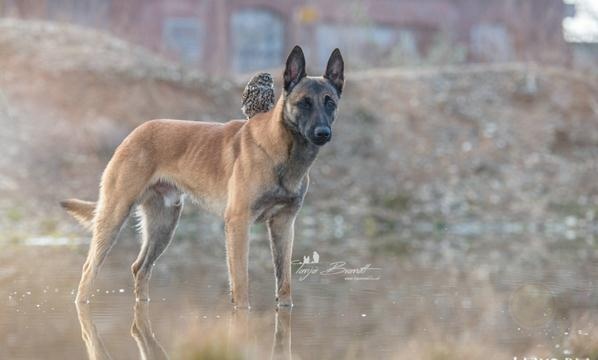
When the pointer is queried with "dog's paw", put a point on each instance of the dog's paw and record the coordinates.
(242, 307)
(284, 303)
(80, 299)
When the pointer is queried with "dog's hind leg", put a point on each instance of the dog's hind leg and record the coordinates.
(123, 182)
(160, 213)
(109, 219)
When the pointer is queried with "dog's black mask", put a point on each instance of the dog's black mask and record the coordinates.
(311, 102)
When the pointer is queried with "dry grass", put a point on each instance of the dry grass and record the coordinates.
(583, 340)
(242, 337)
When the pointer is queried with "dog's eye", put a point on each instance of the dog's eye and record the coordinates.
(305, 104)
(330, 104)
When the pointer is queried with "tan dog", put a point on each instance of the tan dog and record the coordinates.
(244, 170)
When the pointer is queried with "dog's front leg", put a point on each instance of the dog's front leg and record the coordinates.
(281, 229)
(237, 248)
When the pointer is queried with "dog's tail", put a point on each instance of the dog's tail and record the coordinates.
(81, 210)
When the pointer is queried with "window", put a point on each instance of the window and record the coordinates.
(491, 42)
(367, 43)
(85, 12)
(183, 37)
(257, 40)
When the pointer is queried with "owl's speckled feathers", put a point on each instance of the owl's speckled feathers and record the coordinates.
(258, 96)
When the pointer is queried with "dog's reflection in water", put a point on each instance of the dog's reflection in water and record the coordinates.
(141, 330)
(149, 347)
(281, 348)
(93, 343)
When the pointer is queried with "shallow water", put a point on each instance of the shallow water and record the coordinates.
(486, 297)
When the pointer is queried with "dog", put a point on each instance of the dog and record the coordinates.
(245, 171)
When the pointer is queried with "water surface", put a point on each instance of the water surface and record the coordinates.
(492, 297)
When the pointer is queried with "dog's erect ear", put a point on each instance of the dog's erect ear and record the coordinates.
(295, 69)
(335, 71)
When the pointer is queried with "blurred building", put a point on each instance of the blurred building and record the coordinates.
(585, 55)
(221, 36)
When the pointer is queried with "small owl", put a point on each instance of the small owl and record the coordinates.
(258, 96)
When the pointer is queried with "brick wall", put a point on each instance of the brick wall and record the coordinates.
(242, 35)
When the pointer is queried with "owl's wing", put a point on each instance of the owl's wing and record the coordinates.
(245, 94)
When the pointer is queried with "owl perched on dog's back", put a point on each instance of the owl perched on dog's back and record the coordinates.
(258, 95)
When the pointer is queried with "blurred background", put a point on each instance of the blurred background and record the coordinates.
(477, 112)
(239, 36)
(467, 111)
(463, 164)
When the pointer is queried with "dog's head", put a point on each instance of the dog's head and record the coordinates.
(311, 102)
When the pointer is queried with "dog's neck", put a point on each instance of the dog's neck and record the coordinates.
(301, 155)
(291, 152)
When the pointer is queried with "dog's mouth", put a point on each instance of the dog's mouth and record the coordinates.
(319, 142)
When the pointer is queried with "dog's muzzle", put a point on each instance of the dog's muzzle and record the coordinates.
(321, 135)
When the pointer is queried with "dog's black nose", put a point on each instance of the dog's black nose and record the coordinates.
(322, 133)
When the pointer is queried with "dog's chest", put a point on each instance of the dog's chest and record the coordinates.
(274, 200)
(286, 194)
